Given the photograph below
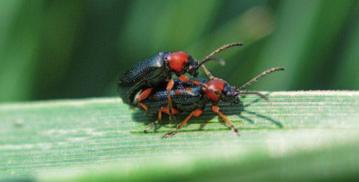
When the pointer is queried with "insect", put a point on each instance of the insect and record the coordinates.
(139, 82)
(193, 99)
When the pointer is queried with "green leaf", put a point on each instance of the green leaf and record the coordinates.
(298, 136)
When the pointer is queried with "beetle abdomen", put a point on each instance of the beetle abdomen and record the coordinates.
(143, 70)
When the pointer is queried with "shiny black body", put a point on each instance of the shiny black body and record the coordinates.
(149, 73)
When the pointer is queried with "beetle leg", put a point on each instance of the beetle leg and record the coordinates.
(169, 87)
(159, 119)
(149, 127)
(144, 95)
(228, 122)
(165, 110)
(197, 83)
(143, 106)
(195, 113)
(183, 78)
(159, 115)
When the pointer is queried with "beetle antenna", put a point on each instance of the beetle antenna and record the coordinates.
(260, 75)
(219, 60)
(210, 57)
(218, 50)
(207, 72)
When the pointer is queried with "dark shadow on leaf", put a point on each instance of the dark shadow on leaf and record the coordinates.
(186, 130)
(246, 119)
(256, 100)
(279, 124)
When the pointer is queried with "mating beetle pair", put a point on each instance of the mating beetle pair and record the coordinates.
(157, 71)
(150, 84)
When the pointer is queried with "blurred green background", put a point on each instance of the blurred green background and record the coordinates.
(77, 48)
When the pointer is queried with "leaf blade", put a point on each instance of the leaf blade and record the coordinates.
(88, 135)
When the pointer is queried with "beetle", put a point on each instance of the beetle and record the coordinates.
(157, 71)
(194, 98)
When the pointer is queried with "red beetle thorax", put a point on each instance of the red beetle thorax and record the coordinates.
(214, 89)
(177, 61)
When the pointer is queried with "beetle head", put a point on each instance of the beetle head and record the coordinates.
(217, 89)
(177, 61)
(230, 94)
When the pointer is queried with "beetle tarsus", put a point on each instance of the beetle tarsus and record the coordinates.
(152, 126)
(143, 106)
(149, 127)
(235, 130)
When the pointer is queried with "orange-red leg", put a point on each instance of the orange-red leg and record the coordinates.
(165, 110)
(195, 113)
(159, 118)
(228, 122)
(169, 87)
(143, 106)
(183, 78)
(144, 95)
